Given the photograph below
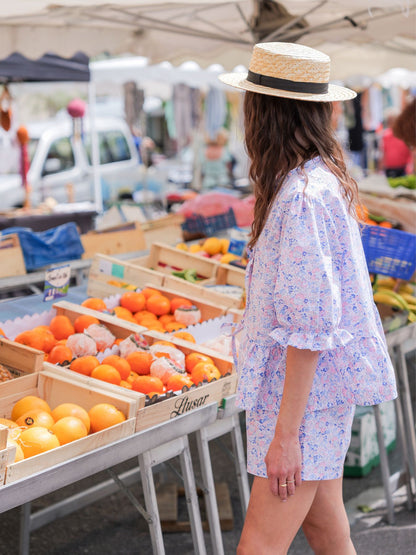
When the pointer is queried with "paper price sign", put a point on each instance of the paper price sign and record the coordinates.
(56, 282)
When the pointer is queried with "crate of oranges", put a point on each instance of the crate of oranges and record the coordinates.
(51, 418)
(173, 376)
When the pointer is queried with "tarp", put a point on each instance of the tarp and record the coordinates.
(49, 67)
(367, 37)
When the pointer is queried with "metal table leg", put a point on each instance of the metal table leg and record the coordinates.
(384, 465)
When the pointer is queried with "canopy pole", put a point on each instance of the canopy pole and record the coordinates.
(95, 154)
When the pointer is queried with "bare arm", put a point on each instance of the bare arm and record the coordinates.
(283, 459)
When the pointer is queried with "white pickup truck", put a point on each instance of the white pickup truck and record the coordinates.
(60, 166)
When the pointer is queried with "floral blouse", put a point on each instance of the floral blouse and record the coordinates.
(308, 286)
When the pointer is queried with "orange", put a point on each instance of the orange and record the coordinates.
(61, 326)
(71, 409)
(174, 326)
(131, 377)
(362, 212)
(193, 358)
(133, 301)
(155, 326)
(178, 381)
(166, 318)
(125, 384)
(149, 291)
(119, 364)
(123, 313)
(369, 221)
(8, 423)
(212, 245)
(30, 402)
(106, 373)
(104, 415)
(2, 333)
(48, 337)
(94, 303)
(84, 365)
(144, 314)
(31, 338)
(35, 417)
(84, 321)
(185, 335)
(60, 354)
(158, 304)
(37, 440)
(140, 361)
(163, 342)
(204, 371)
(147, 384)
(69, 428)
(178, 301)
(149, 322)
(386, 224)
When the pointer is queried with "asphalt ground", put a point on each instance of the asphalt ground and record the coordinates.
(112, 526)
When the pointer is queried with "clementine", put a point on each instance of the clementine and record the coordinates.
(204, 371)
(177, 381)
(140, 361)
(83, 321)
(149, 291)
(60, 354)
(94, 303)
(123, 313)
(30, 402)
(49, 340)
(177, 302)
(131, 377)
(71, 409)
(193, 358)
(69, 428)
(104, 415)
(186, 336)
(148, 384)
(166, 319)
(31, 338)
(125, 384)
(164, 342)
(84, 365)
(133, 301)
(143, 315)
(120, 364)
(106, 373)
(61, 326)
(174, 326)
(158, 304)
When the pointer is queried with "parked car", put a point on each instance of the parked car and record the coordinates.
(61, 167)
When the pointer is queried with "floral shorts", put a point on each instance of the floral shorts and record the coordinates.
(324, 439)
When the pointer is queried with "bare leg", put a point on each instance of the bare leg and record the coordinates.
(271, 524)
(326, 525)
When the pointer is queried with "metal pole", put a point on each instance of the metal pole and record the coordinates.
(95, 153)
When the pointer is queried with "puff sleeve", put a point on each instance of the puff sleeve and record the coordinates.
(308, 292)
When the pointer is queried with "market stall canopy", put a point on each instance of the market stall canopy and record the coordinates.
(49, 67)
(361, 36)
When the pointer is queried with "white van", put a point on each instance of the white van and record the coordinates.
(60, 166)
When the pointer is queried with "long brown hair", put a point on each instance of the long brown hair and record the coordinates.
(282, 133)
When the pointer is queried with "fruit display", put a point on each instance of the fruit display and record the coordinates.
(35, 427)
(408, 181)
(396, 294)
(211, 247)
(372, 219)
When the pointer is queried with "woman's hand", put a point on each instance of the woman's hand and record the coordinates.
(283, 462)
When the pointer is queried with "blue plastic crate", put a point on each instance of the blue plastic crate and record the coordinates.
(390, 252)
(210, 224)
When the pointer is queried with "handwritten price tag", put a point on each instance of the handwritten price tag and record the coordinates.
(56, 282)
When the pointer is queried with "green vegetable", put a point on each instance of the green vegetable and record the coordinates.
(188, 274)
(408, 181)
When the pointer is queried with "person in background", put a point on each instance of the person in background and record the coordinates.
(144, 145)
(312, 345)
(396, 155)
(404, 126)
(216, 162)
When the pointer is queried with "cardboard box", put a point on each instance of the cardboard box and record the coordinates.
(12, 262)
(363, 453)
(57, 389)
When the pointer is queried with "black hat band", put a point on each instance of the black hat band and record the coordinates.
(286, 84)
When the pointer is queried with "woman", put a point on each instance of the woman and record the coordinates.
(312, 344)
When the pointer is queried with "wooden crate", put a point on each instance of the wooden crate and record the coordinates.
(166, 409)
(12, 262)
(20, 359)
(207, 294)
(167, 229)
(120, 328)
(116, 240)
(166, 259)
(57, 389)
(110, 276)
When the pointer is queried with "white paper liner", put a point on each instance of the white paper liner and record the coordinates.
(12, 328)
(210, 329)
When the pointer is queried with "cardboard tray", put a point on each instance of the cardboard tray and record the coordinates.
(57, 389)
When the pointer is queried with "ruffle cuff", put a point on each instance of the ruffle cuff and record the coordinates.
(313, 342)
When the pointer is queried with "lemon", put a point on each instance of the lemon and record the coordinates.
(182, 246)
(225, 243)
(226, 258)
(195, 248)
(212, 245)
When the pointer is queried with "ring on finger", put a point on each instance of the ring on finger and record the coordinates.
(291, 481)
(283, 485)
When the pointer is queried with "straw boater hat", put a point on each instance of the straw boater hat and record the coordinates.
(290, 71)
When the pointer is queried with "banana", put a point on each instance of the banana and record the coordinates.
(387, 282)
(410, 299)
(387, 296)
(406, 288)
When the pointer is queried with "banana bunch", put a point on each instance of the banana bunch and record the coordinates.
(403, 299)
